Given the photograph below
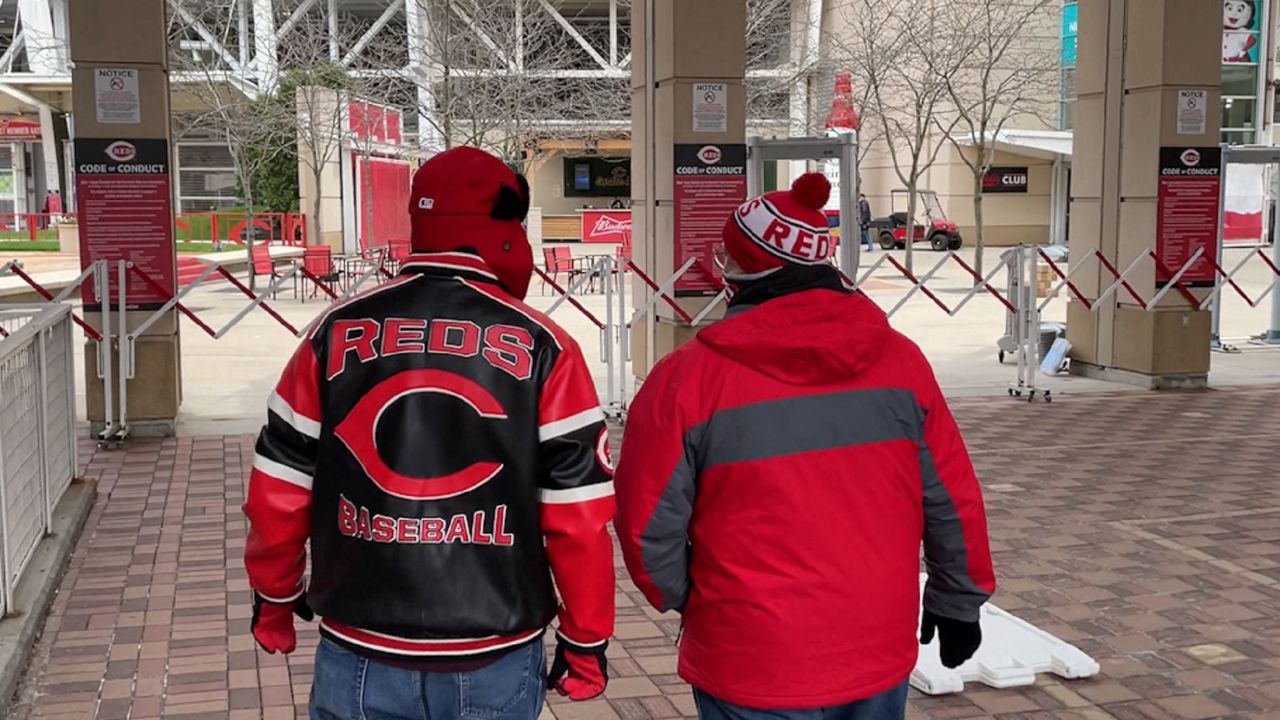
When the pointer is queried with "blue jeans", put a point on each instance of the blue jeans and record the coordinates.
(888, 705)
(866, 238)
(347, 686)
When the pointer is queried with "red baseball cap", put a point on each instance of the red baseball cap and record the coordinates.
(466, 199)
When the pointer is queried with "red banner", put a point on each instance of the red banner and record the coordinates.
(1187, 212)
(385, 194)
(123, 191)
(710, 184)
(19, 129)
(606, 226)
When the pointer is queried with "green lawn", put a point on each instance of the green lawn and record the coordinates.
(23, 235)
(28, 246)
(52, 246)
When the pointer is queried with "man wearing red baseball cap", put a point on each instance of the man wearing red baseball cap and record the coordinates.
(441, 448)
(778, 476)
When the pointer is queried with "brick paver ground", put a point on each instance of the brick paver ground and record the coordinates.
(1143, 528)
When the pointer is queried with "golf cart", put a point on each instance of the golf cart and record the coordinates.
(931, 224)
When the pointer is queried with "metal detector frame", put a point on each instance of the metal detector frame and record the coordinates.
(1247, 155)
(842, 147)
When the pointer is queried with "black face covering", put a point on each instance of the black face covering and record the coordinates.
(788, 279)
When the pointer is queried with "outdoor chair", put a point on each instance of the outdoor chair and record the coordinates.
(557, 260)
(318, 261)
(266, 267)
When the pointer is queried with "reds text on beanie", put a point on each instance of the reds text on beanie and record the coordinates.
(782, 227)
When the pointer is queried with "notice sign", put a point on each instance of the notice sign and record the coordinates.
(1187, 213)
(123, 190)
(115, 96)
(710, 107)
(1192, 118)
(1005, 180)
(710, 184)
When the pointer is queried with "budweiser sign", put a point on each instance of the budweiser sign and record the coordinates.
(606, 226)
(611, 226)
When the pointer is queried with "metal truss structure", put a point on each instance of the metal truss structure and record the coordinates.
(246, 42)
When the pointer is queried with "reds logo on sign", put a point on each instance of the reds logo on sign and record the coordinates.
(1191, 157)
(122, 151)
(710, 154)
(359, 432)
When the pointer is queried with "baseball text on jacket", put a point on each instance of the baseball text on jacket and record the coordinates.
(480, 528)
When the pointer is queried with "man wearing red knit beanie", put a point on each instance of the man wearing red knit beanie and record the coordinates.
(778, 477)
(438, 449)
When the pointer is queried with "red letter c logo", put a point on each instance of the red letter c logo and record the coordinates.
(359, 430)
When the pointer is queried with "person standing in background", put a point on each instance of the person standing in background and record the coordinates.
(864, 221)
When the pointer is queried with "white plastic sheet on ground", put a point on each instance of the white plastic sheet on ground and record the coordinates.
(1013, 652)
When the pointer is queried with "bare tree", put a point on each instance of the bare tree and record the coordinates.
(1008, 73)
(897, 51)
(506, 75)
(230, 108)
(320, 87)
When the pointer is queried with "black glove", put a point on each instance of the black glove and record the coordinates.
(957, 640)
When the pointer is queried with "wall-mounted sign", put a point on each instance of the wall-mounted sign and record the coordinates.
(21, 128)
(1192, 115)
(1187, 212)
(710, 184)
(710, 107)
(122, 187)
(1006, 180)
(1241, 25)
(606, 226)
(597, 177)
(115, 96)
(1070, 33)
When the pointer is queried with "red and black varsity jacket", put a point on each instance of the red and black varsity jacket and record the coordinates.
(442, 448)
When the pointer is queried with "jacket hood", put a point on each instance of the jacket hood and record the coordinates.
(810, 337)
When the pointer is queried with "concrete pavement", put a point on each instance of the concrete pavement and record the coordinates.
(1142, 527)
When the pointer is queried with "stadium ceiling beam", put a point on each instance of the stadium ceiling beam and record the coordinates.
(247, 88)
(484, 36)
(613, 33)
(207, 35)
(482, 73)
(573, 33)
(298, 13)
(11, 54)
(377, 27)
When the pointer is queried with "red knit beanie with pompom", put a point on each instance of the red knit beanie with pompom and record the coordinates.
(782, 227)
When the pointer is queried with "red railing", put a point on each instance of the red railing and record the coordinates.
(32, 227)
(275, 228)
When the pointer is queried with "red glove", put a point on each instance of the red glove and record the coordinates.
(578, 672)
(272, 623)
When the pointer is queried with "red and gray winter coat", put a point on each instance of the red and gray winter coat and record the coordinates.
(778, 475)
(441, 447)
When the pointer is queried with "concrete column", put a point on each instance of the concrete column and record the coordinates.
(1134, 58)
(676, 44)
(129, 36)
